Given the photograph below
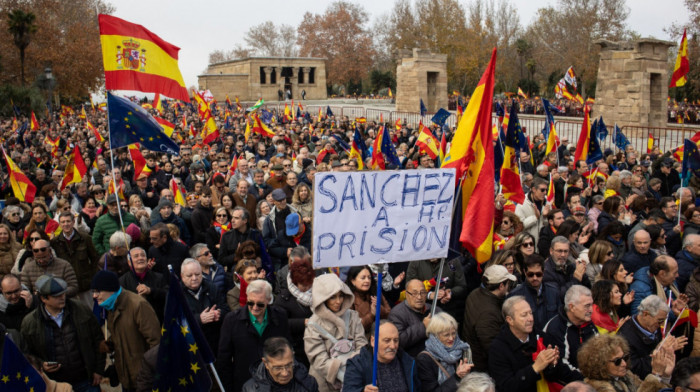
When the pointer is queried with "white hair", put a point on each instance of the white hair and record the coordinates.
(477, 382)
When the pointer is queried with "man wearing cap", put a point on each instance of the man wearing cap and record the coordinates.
(65, 335)
(166, 214)
(297, 231)
(109, 223)
(278, 179)
(665, 172)
(78, 250)
(132, 324)
(43, 262)
(274, 232)
(482, 314)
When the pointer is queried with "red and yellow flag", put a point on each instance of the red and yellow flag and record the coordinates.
(680, 70)
(427, 141)
(94, 131)
(119, 189)
(75, 169)
(471, 153)
(260, 127)
(377, 161)
(178, 196)
(139, 161)
(82, 114)
(209, 131)
(136, 59)
(168, 127)
(584, 139)
(157, 104)
(650, 143)
(22, 188)
(34, 126)
(522, 93)
(550, 190)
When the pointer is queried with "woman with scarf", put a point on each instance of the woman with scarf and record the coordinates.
(246, 271)
(361, 281)
(151, 285)
(446, 359)
(303, 202)
(510, 226)
(9, 248)
(607, 298)
(13, 217)
(91, 212)
(221, 224)
(40, 220)
(615, 233)
(140, 211)
(295, 299)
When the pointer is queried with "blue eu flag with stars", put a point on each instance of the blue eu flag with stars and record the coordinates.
(17, 374)
(621, 140)
(423, 109)
(183, 354)
(130, 123)
(691, 161)
(440, 117)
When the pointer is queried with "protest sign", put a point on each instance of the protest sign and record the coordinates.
(362, 217)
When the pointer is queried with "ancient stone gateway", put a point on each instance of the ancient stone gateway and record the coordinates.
(253, 78)
(633, 83)
(421, 75)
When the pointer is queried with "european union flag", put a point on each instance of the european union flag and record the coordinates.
(691, 161)
(387, 148)
(620, 139)
(440, 117)
(329, 113)
(266, 116)
(498, 156)
(360, 143)
(423, 109)
(298, 113)
(130, 123)
(17, 374)
(345, 146)
(183, 354)
(500, 112)
(548, 108)
(594, 151)
(602, 132)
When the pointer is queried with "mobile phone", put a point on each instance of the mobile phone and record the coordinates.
(51, 363)
(467, 356)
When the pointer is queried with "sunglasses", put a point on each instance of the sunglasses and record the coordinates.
(32, 239)
(17, 214)
(259, 305)
(222, 216)
(40, 250)
(207, 253)
(533, 274)
(618, 361)
(528, 244)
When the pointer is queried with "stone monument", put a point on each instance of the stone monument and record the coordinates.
(421, 75)
(633, 84)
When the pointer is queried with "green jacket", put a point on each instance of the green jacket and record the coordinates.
(87, 329)
(107, 225)
(81, 254)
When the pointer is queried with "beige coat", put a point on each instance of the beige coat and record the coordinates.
(134, 328)
(323, 368)
(8, 255)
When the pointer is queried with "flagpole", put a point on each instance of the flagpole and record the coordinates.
(437, 288)
(377, 313)
(111, 155)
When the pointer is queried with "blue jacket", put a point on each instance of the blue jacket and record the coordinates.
(635, 261)
(358, 372)
(544, 306)
(643, 286)
(686, 265)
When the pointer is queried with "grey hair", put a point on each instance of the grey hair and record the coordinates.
(509, 304)
(574, 293)
(689, 239)
(189, 261)
(597, 198)
(196, 248)
(625, 174)
(541, 167)
(139, 249)
(652, 304)
(477, 382)
(119, 240)
(578, 386)
(440, 322)
(12, 209)
(260, 286)
(563, 169)
(299, 252)
(560, 239)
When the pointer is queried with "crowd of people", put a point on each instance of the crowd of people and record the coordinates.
(594, 290)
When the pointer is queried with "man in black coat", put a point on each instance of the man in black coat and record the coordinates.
(510, 354)
(668, 175)
(640, 254)
(149, 284)
(18, 302)
(543, 298)
(244, 332)
(278, 369)
(164, 250)
(240, 232)
(559, 272)
(549, 231)
(671, 225)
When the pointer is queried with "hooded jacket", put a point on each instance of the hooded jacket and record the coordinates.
(323, 368)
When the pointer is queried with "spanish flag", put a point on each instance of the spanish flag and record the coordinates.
(260, 127)
(471, 153)
(168, 127)
(390, 94)
(94, 131)
(584, 139)
(356, 150)
(650, 143)
(377, 161)
(136, 59)
(22, 188)
(233, 166)
(82, 114)
(34, 126)
(209, 130)
(75, 169)
(550, 191)
(682, 66)
(158, 105)
(427, 142)
(139, 161)
(247, 132)
(177, 193)
(522, 93)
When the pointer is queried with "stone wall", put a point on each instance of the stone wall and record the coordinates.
(423, 75)
(251, 78)
(632, 83)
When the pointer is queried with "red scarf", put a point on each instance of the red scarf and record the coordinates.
(242, 296)
(223, 228)
(297, 237)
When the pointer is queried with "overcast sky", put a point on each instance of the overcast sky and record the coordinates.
(199, 28)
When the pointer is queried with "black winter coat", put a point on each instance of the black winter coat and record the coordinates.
(156, 282)
(171, 252)
(202, 218)
(208, 297)
(641, 347)
(261, 382)
(296, 316)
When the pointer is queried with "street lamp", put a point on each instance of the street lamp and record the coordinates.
(50, 83)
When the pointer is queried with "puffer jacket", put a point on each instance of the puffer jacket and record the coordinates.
(323, 368)
(8, 255)
(107, 225)
(81, 254)
(526, 213)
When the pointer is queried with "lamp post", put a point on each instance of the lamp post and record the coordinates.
(50, 83)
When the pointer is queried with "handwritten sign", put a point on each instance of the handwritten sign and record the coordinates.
(362, 217)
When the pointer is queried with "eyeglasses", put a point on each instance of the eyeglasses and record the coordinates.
(207, 253)
(600, 203)
(17, 214)
(40, 250)
(279, 369)
(618, 361)
(221, 216)
(287, 165)
(32, 239)
(527, 244)
(533, 274)
(417, 294)
(561, 251)
(542, 189)
(259, 305)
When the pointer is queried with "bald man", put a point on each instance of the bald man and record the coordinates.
(640, 254)
(411, 317)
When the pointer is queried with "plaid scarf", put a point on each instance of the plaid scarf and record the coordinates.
(303, 298)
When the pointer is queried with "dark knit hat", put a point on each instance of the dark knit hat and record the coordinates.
(105, 281)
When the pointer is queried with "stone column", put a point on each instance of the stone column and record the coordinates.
(306, 71)
(295, 82)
